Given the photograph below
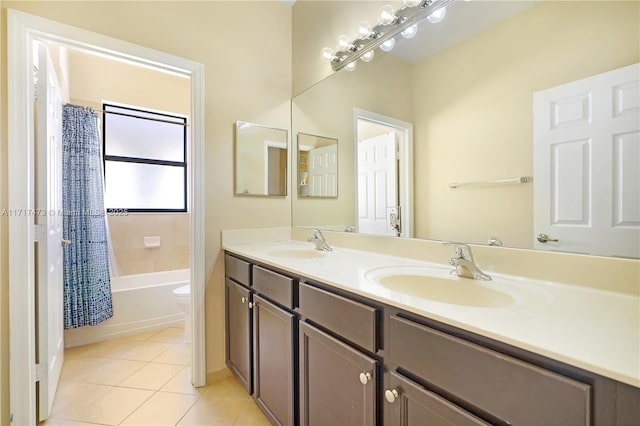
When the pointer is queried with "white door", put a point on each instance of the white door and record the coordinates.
(377, 184)
(587, 165)
(49, 256)
(323, 171)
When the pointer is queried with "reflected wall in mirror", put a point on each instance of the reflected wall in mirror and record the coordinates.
(317, 166)
(471, 105)
(261, 160)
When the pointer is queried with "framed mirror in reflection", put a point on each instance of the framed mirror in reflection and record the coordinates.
(317, 166)
(471, 103)
(260, 160)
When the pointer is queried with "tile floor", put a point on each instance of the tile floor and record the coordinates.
(144, 380)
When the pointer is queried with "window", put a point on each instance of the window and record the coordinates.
(145, 165)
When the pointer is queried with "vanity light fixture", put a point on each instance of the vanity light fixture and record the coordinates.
(403, 21)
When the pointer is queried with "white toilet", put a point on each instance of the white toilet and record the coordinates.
(182, 295)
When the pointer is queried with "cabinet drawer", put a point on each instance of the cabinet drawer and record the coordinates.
(274, 286)
(351, 320)
(504, 387)
(237, 269)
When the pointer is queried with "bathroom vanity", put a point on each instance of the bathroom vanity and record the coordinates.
(316, 339)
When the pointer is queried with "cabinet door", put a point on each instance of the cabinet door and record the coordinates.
(238, 332)
(408, 404)
(273, 334)
(337, 383)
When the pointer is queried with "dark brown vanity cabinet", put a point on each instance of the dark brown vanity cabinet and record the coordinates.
(313, 355)
(239, 349)
(493, 385)
(261, 332)
(338, 381)
(274, 354)
(238, 318)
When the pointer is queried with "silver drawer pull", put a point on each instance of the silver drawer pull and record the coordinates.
(365, 378)
(391, 395)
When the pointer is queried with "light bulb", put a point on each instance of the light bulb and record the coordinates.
(364, 29)
(387, 14)
(344, 42)
(327, 53)
(412, 3)
(388, 45)
(437, 16)
(410, 32)
(367, 57)
(351, 66)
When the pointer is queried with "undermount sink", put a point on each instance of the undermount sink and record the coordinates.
(302, 253)
(440, 285)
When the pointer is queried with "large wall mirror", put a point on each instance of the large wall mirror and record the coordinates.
(467, 87)
(261, 160)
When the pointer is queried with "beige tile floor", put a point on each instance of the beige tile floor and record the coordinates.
(145, 380)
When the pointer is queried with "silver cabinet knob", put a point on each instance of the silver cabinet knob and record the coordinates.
(243, 300)
(252, 304)
(391, 395)
(543, 238)
(365, 378)
(66, 242)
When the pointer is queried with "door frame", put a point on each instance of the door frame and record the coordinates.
(270, 144)
(22, 30)
(405, 149)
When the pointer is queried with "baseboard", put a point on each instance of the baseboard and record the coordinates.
(93, 334)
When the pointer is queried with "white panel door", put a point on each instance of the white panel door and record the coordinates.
(377, 184)
(587, 165)
(49, 255)
(323, 171)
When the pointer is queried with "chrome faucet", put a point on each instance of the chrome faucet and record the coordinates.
(318, 239)
(464, 263)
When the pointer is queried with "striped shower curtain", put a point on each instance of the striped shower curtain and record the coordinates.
(87, 285)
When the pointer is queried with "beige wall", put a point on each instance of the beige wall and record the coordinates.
(474, 108)
(94, 79)
(247, 77)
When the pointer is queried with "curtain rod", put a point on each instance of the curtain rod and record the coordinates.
(134, 116)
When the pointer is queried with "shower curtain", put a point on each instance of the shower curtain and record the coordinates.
(87, 286)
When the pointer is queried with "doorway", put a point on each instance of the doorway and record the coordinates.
(23, 31)
(384, 174)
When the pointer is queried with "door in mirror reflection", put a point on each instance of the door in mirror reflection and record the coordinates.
(261, 160)
(587, 165)
(317, 166)
(378, 184)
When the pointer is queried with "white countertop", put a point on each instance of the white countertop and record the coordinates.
(596, 330)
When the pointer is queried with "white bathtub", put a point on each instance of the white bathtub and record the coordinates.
(141, 302)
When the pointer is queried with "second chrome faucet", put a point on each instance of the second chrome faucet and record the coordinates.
(464, 263)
